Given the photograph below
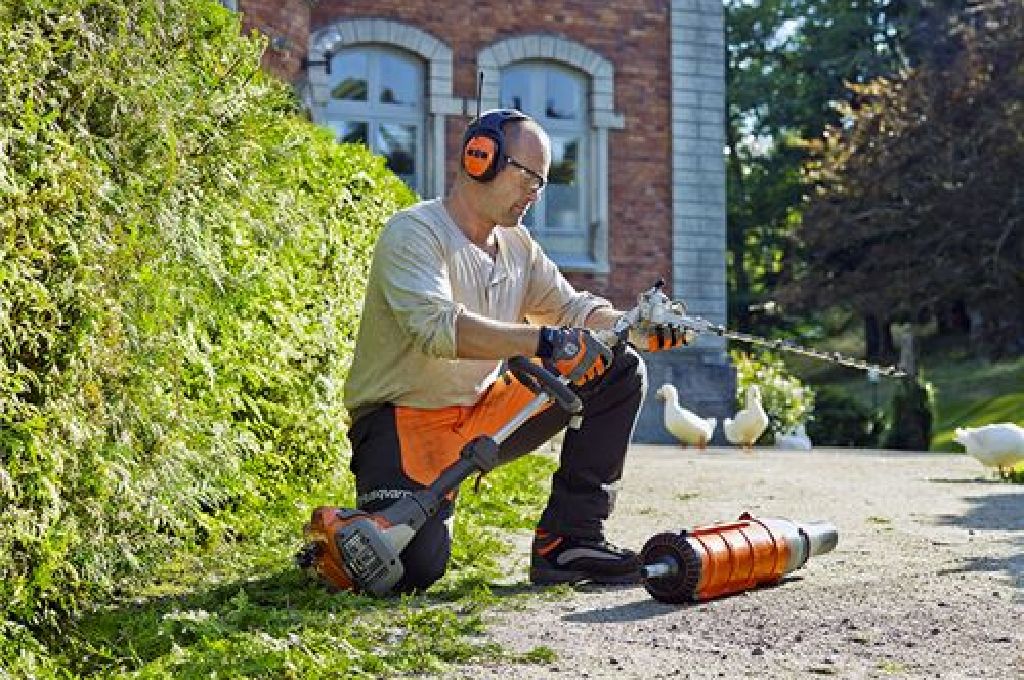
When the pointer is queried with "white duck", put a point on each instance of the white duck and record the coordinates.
(749, 423)
(794, 440)
(686, 426)
(1000, 445)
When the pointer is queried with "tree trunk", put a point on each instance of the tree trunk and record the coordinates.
(872, 338)
(886, 346)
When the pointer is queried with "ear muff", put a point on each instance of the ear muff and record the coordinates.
(479, 157)
(483, 145)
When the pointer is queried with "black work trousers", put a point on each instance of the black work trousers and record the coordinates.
(582, 489)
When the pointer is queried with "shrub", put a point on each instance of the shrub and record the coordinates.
(840, 420)
(912, 407)
(182, 260)
(786, 400)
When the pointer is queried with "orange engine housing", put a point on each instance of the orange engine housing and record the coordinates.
(327, 561)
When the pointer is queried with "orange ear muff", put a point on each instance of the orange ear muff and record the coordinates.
(478, 156)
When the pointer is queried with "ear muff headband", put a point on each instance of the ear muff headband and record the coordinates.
(483, 145)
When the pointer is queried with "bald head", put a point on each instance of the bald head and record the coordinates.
(516, 131)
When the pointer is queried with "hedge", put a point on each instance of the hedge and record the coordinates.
(182, 259)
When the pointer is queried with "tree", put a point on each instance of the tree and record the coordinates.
(788, 62)
(918, 198)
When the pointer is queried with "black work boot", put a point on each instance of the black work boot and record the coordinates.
(565, 559)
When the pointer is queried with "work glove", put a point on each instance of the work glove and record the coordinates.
(660, 337)
(574, 353)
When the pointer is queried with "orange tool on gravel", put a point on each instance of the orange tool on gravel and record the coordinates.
(720, 559)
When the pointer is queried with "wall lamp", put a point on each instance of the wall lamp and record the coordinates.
(325, 62)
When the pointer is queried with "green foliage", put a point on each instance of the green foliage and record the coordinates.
(786, 400)
(788, 65)
(181, 264)
(927, 161)
(238, 608)
(841, 420)
(912, 407)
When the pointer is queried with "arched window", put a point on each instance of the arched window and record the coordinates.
(570, 89)
(376, 97)
(556, 96)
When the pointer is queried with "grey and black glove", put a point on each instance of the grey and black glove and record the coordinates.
(574, 353)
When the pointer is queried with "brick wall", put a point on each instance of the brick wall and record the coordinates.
(633, 35)
(285, 23)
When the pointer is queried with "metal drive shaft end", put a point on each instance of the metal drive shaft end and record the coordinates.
(822, 537)
(671, 568)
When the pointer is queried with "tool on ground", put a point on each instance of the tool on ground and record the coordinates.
(655, 309)
(720, 559)
(354, 550)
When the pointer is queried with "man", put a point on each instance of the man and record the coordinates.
(456, 286)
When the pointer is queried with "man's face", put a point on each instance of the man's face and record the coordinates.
(521, 181)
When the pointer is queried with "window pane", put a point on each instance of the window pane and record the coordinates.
(565, 160)
(397, 143)
(400, 82)
(562, 197)
(351, 131)
(514, 86)
(350, 70)
(563, 95)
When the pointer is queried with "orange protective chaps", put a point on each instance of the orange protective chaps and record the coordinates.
(398, 450)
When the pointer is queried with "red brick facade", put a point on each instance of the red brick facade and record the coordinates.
(287, 21)
(634, 35)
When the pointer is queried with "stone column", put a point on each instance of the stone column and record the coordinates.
(702, 374)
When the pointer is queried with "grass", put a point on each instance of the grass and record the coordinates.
(976, 393)
(241, 609)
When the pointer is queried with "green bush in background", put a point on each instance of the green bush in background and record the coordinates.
(786, 400)
(181, 264)
(841, 420)
(912, 408)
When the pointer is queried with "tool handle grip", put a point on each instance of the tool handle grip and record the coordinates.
(538, 379)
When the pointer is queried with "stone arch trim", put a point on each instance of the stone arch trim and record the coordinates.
(437, 55)
(493, 58)
(349, 32)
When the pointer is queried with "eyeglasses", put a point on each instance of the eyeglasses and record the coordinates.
(537, 181)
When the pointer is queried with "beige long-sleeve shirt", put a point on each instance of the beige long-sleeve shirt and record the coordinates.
(425, 272)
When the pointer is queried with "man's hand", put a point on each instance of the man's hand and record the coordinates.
(574, 353)
(661, 337)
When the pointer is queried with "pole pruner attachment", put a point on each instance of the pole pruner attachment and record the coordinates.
(655, 309)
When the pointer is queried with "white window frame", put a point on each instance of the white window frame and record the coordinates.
(375, 113)
(568, 246)
(601, 116)
(314, 89)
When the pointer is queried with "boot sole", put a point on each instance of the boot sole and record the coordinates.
(549, 577)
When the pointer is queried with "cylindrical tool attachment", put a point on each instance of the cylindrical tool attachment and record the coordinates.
(720, 559)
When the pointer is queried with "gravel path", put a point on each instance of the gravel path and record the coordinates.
(927, 580)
